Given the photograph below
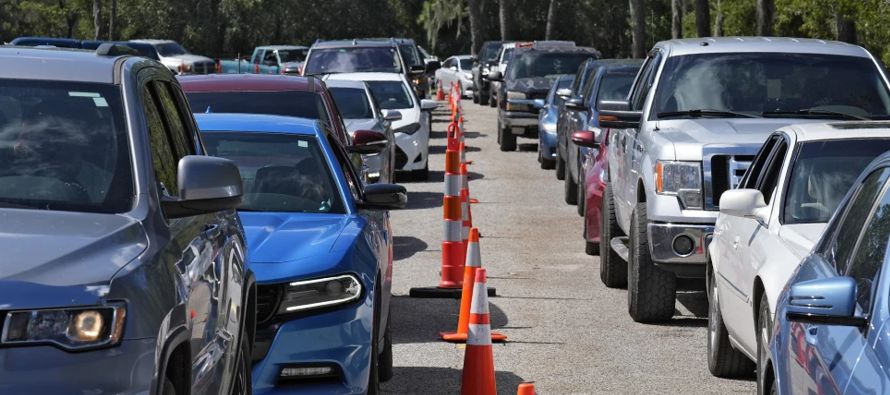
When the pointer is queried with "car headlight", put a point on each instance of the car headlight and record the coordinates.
(73, 328)
(516, 96)
(681, 179)
(320, 293)
(410, 128)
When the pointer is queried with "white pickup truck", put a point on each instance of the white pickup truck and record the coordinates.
(697, 113)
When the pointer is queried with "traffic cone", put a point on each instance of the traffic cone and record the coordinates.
(478, 373)
(440, 94)
(467, 221)
(474, 262)
(526, 388)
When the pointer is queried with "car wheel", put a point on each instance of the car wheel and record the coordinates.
(168, 387)
(590, 248)
(492, 102)
(507, 140)
(613, 268)
(384, 366)
(242, 383)
(475, 96)
(483, 99)
(570, 189)
(546, 164)
(374, 374)
(723, 360)
(651, 292)
(580, 196)
(764, 333)
(560, 168)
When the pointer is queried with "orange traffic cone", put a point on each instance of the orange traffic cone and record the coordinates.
(440, 94)
(526, 388)
(478, 374)
(474, 262)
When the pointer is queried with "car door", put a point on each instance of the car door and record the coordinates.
(749, 242)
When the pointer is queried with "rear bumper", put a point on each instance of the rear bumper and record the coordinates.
(662, 238)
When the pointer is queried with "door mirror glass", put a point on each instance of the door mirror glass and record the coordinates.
(384, 197)
(206, 184)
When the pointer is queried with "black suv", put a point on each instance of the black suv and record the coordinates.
(482, 63)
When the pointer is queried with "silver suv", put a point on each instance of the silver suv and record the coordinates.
(698, 111)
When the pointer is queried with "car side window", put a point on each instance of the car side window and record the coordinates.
(178, 129)
(352, 181)
(855, 215)
(270, 59)
(870, 253)
(647, 78)
(769, 178)
(757, 165)
(162, 157)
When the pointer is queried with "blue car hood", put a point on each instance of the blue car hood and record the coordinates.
(285, 246)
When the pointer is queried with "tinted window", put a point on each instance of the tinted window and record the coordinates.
(646, 81)
(177, 124)
(391, 95)
(857, 213)
(466, 64)
(63, 146)
(615, 86)
(350, 60)
(823, 173)
(292, 55)
(163, 157)
(770, 82)
(412, 58)
(870, 254)
(490, 52)
(352, 103)
(170, 49)
(292, 103)
(757, 166)
(770, 177)
(540, 64)
(281, 172)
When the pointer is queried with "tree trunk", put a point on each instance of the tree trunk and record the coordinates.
(846, 28)
(718, 23)
(97, 19)
(766, 9)
(475, 25)
(551, 19)
(638, 28)
(677, 11)
(504, 19)
(702, 18)
(112, 15)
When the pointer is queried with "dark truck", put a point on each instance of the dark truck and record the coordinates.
(525, 84)
(482, 64)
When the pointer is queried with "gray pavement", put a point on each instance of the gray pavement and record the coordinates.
(567, 332)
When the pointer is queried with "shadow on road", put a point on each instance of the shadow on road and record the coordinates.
(467, 135)
(423, 200)
(439, 176)
(417, 320)
(405, 247)
(533, 147)
(434, 381)
(440, 149)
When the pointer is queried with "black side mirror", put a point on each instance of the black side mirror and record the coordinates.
(433, 65)
(575, 104)
(206, 184)
(384, 197)
(617, 114)
(416, 69)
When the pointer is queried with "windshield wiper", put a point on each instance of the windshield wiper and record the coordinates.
(698, 113)
(816, 113)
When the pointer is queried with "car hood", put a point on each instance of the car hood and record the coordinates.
(69, 257)
(801, 238)
(688, 135)
(529, 85)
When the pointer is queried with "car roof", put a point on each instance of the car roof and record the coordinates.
(556, 49)
(354, 43)
(839, 130)
(282, 47)
(247, 82)
(257, 123)
(343, 83)
(365, 77)
(57, 64)
(152, 41)
(463, 57)
(704, 45)
(39, 40)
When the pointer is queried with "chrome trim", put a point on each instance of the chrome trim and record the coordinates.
(708, 154)
(661, 237)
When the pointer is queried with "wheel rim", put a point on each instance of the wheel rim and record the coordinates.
(713, 310)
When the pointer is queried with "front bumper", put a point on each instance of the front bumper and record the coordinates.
(520, 123)
(414, 147)
(127, 368)
(340, 338)
(661, 246)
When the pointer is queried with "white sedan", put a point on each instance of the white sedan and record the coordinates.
(457, 69)
(393, 92)
(767, 226)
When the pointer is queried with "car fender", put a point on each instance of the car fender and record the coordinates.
(174, 332)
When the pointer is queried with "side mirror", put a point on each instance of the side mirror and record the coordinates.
(746, 203)
(368, 142)
(495, 75)
(538, 103)
(825, 301)
(392, 115)
(428, 105)
(432, 66)
(564, 92)
(206, 184)
(416, 69)
(384, 197)
(575, 104)
(453, 68)
(617, 114)
(585, 138)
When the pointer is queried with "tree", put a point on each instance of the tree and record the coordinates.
(766, 10)
(702, 18)
(638, 28)
(504, 19)
(551, 16)
(475, 17)
(97, 19)
(677, 11)
(112, 15)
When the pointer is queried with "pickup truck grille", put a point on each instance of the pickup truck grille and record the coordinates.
(726, 173)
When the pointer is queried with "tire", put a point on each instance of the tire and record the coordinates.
(613, 268)
(491, 100)
(384, 366)
(570, 189)
(242, 383)
(651, 292)
(580, 192)
(764, 333)
(374, 374)
(723, 360)
(560, 168)
(475, 98)
(506, 140)
(590, 248)
(168, 387)
(483, 99)
(546, 164)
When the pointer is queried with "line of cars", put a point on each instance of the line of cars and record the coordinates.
(756, 165)
(218, 233)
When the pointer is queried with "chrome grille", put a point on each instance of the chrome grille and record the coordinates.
(726, 172)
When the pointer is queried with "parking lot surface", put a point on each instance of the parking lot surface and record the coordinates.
(567, 331)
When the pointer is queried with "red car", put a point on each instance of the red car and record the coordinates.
(596, 169)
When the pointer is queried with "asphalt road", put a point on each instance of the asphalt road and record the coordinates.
(567, 332)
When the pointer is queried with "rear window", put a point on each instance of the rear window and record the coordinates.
(352, 102)
(541, 64)
(290, 103)
(352, 60)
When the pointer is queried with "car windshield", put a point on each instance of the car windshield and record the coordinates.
(63, 146)
(466, 64)
(412, 58)
(170, 49)
(778, 83)
(616, 86)
(541, 64)
(289, 103)
(353, 103)
(823, 172)
(352, 60)
(490, 52)
(391, 95)
(292, 55)
(280, 172)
